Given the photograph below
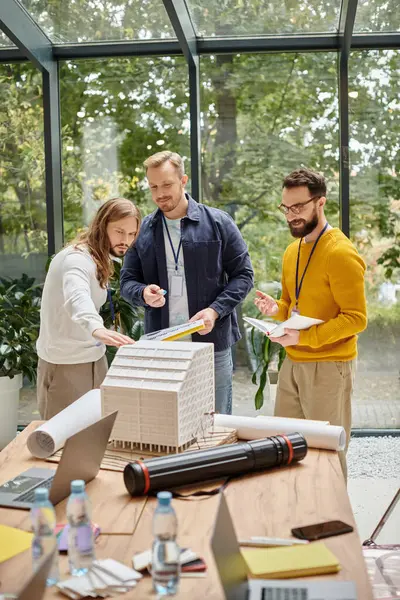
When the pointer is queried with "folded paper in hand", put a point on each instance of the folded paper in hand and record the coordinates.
(174, 333)
(277, 330)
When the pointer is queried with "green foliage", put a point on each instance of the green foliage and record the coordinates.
(128, 319)
(19, 327)
(390, 259)
(265, 353)
(117, 111)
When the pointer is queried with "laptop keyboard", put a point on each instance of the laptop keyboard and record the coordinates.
(272, 593)
(29, 496)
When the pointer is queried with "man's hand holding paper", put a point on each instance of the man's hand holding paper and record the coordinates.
(209, 316)
(290, 338)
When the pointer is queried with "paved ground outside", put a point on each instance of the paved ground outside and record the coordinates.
(376, 400)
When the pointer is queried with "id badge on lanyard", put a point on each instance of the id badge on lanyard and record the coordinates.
(176, 285)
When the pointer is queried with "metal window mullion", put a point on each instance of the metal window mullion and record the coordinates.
(52, 153)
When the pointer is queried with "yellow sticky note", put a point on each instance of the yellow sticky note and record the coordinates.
(290, 561)
(13, 541)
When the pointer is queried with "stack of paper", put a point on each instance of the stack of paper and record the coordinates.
(291, 561)
(105, 578)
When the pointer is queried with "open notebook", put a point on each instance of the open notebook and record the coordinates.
(278, 329)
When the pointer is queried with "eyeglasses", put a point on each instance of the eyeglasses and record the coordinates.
(296, 208)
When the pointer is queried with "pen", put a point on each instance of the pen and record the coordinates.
(268, 541)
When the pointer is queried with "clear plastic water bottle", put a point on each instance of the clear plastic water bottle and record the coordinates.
(165, 567)
(80, 535)
(44, 539)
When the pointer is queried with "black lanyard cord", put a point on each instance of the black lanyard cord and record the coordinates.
(298, 286)
(176, 255)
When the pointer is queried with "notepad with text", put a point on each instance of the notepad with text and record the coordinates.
(278, 329)
(290, 561)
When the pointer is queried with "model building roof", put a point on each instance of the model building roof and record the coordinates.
(153, 365)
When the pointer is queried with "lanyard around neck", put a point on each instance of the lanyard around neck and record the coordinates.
(175, 254)
(299, 285)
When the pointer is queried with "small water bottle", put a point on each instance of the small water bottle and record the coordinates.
(44, 539)
(80, 535)
(165, 565)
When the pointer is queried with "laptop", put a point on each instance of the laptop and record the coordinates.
(35, 587)
(81, 459)
(232, 572)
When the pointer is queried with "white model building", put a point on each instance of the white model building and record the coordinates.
(164, 393)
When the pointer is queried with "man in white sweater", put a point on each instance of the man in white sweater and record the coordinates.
(72, 339)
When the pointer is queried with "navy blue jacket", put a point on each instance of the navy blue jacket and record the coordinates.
(218, 270)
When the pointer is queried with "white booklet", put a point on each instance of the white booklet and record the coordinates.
(277, 329)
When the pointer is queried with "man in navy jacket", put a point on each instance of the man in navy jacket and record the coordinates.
(198, 256)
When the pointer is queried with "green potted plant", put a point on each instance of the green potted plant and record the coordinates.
(19, 328)
(267, 354)
(127, 318)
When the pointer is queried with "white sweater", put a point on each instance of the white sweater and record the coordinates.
(71, 300)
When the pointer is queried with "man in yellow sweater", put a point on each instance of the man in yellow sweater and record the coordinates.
(322, 277)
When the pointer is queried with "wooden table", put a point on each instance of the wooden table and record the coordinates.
(269, 504)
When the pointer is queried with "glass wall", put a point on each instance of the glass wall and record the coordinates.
(264, 18)
(374, 92)
(66, 21)
(23, 229)
(255, 130)
(262, 115)
(115, 113)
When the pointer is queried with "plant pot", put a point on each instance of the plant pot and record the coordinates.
(273, 377)
(9, 400)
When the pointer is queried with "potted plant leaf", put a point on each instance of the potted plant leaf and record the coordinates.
(19, 328)
(267, 354)
(124, 317)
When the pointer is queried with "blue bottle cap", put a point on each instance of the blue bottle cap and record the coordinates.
(77, 486)
(164, 498)
(41, 494)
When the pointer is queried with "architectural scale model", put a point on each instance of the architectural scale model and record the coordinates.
(164, 394)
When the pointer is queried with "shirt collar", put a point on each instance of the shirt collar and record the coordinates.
(193, 213)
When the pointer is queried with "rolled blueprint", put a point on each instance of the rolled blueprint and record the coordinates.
(51, 436)
(317, 434)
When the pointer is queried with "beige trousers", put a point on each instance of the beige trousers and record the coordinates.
(317, 390)
(60, 385)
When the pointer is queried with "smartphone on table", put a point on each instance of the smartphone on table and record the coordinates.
(321, 530)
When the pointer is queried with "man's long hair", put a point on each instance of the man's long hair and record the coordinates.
(96, 238)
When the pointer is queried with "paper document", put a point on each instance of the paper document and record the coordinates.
(13, 541)
(51, 436)
(318, 434)
(277, 329)
(174, 333)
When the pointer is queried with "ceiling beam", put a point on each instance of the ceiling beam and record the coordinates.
(26, 34)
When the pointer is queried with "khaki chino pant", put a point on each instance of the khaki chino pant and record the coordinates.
(317, 390)
(60, 385)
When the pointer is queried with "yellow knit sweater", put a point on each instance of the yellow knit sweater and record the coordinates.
(332, 290)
